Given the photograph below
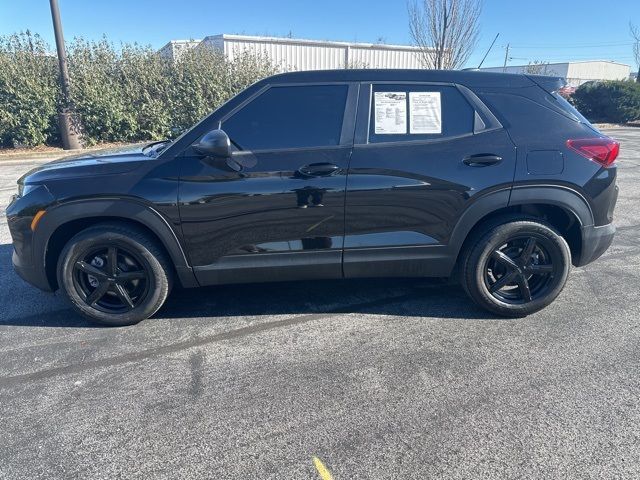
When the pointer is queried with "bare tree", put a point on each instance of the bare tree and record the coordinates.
(445, 30)
(635, 33)
(538, 67)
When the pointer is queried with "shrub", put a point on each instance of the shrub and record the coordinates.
(125, 94)
(202, 79)
(611, 101)
(29, 91)
(99, 92)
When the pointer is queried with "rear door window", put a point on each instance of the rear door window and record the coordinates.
(403, 112)
(290, 117)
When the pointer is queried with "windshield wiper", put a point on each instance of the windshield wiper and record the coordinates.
(155, 147)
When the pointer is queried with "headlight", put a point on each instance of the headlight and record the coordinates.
(25, 189)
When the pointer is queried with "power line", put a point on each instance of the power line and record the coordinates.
(590, 57)
(521, 47)
(575, 45)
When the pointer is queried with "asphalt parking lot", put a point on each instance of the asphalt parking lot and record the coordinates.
(377, 379)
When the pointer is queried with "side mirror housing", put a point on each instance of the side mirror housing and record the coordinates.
(216, 143)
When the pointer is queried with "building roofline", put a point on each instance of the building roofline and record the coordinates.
(193, 40)
(561, 63)
(172, 42)
(599, 61)
(303, 41)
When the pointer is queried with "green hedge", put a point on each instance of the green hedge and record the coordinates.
(125, 94)
(28, 91)
(613, 101)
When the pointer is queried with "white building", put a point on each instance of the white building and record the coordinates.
(298, 54)
(576, 73)
(174, 48)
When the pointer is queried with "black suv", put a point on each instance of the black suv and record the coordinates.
(493, 178)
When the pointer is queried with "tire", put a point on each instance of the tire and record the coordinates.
(515, 267)
(122, 292)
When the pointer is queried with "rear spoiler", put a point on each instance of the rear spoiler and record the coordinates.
(549, 84)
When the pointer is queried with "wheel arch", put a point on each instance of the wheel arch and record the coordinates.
(63, 221)
(565, 209)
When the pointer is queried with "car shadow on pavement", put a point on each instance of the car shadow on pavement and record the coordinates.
(388, 296)
(384, 296)
(24, 305)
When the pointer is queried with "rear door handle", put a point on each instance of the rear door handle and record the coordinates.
(319, 169)
(482, 160)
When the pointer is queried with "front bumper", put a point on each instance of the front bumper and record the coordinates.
(35, 276)
(595, 241)
(28, 261)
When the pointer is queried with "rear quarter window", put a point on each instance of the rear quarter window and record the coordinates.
(567, 108)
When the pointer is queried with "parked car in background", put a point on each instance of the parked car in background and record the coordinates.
(567, 91)
(493, 178)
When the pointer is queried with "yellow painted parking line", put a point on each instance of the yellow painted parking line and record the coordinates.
(316, 225)
(323, 471)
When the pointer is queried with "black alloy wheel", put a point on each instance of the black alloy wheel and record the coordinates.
(520, 270)
(111, 279)
(514, 266)
(115, 274)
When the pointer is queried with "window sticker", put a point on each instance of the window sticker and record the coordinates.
(390, 113)
(425, 112)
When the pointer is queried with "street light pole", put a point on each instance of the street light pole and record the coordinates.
(69, 127)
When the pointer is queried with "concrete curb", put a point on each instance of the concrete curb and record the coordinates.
(19, 161)
(6, 156)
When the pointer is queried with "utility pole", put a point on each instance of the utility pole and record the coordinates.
(69, 126)
(506, 57)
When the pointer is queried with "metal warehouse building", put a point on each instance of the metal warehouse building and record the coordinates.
(174, 48)
(576, 73)
(298, 54)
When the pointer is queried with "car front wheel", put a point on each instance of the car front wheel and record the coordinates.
(114, 274)
(516, 268)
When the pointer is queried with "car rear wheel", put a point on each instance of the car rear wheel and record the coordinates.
(515, 268)
(114, 274)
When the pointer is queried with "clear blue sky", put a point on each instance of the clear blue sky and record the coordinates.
(546, 30)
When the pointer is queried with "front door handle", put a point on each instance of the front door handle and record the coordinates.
(319, 169)
(482, 160)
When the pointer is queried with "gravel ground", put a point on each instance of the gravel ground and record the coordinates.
(378, 379)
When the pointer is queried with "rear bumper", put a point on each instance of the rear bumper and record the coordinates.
(595, 241)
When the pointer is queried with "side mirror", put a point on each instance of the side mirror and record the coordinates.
(216, 143)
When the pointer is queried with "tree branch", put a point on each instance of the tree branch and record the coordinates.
(445, 30)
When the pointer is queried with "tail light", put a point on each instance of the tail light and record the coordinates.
(602, 150)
